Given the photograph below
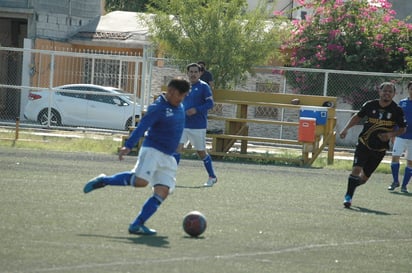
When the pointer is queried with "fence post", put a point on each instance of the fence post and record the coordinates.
(16, 134)
(16, 137)
(325, 84)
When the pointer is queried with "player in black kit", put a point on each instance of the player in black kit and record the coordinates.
(383, 119)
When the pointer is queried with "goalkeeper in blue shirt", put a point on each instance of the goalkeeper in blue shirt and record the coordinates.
(197, 104)
(162, 125)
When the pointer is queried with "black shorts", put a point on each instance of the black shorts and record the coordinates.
(367, 159)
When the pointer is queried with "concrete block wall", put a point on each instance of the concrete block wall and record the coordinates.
(58, 20)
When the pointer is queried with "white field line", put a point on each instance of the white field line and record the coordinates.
(227, 256)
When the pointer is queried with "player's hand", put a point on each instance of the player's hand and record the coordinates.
(123, 151)
(191, 111)
(343, 134)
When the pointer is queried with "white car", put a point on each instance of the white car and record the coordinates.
(84, 105)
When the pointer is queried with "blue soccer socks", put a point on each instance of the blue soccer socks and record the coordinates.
(395, 171)
(120, 179)
(407, 176)
(149, 208)
(207, 161)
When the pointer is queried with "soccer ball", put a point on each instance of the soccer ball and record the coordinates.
(194, 223)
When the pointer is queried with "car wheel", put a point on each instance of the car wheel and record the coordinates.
(55, 119)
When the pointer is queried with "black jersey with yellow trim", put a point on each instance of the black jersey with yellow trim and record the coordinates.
(379, 120)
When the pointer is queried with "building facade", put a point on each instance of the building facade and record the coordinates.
(291, 8)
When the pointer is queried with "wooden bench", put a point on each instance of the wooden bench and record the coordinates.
(237, 126)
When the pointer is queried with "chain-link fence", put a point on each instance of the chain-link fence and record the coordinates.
(70, 89)
(31, 89)
(352, 88)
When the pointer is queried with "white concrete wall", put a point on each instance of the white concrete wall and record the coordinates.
(58, 20)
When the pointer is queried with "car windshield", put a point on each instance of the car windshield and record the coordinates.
(123, 95)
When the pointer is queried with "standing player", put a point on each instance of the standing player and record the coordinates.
(197, 103)
(384, 120)
(163, 124)
(206, 75)
(403, 143)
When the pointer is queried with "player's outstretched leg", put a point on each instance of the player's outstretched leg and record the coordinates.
(119, 179)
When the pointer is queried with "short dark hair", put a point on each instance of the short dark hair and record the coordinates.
(201, 63)
(193, 65)
(182, 85)
(409, 84)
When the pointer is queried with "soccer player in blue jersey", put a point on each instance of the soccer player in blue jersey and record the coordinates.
(383, 120)
(162, 125)
(197, 103)
(401, 144)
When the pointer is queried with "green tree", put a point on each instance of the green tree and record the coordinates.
(356, 35)
(126, 5)
(219, 32)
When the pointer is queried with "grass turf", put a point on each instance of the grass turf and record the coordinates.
(261, 218)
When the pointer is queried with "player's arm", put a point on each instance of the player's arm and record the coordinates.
(212, 84)
(208, 100)
(123, 151)
(355, 119)
(209, 103)
(398, 130)
(147, 120)
(391, 135)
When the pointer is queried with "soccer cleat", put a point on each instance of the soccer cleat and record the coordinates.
(404, 190)
(348, 201)
(141, 230)
(210, 182)
(393, 186)
(95, 183)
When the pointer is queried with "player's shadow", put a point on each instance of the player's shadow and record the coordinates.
(149, 240)
(366, 210)
(190, 187)
(409, 194)
(194, 238)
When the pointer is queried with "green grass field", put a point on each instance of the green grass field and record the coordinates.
(261, 218)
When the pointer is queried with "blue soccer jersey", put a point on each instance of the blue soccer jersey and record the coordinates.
(406, 105)
(201, 98)
(163, 124)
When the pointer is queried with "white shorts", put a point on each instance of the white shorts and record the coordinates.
(196, 137)
(156, 167)
(402, 145)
